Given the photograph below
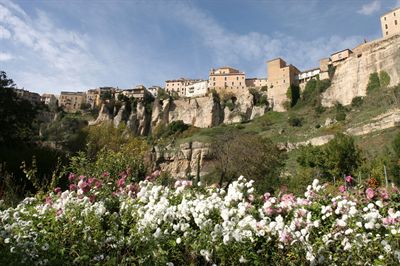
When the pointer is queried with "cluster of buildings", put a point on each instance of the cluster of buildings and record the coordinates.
(280, 75)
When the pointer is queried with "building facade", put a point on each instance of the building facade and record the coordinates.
(139, 93)
(256, 82)
(226, 78)
(340, 56)
(197, 89)
(72, 101)
(280, 77)
(48, 99)
(390, 23)
(178, 86)
(93, 98)
(306, 75)
(32, 97)
(154, 90)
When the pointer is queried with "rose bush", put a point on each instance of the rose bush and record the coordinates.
(118, 222)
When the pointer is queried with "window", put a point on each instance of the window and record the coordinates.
(237, 78)
(387, 33)
(214, 84)
(240, 83)
(395, 22)
(225, 78)
(225, 83)
(232, 83)
(384, 18)
(214, 78)
(386, 26)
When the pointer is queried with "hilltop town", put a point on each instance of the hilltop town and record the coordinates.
(280, 76)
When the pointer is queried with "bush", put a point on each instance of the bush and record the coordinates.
(340, 112)
(374, 82)
(293, 95)
(384, 78)
(357, 101)
(172, 129)
(295, 121)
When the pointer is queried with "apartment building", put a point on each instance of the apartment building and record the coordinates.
(306, 75)
(197, 89)
(139, 92)
(178, 86)
(72, 101)
(340, 56)
(226, 78)
(93, 97)
(390, 23)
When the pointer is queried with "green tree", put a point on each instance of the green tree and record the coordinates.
(250, 155)
(16, 115)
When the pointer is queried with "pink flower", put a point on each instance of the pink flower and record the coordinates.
(81, 177)
(342, 188)
(156, 173)
(71, 177)
(268, 211)
(97, 184)
(250, 197)
(91, 180)
(149, 178)
(121, 182)
(92, 198)
(72, 187)
(266, 196)
(384, 194)
(123, 174)
(370, 193)
(105, 174)
(348, 179)
(84, 186)
(59, 212)
(49, 201)
(57, 190)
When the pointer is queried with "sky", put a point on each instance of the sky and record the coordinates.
(54, 45)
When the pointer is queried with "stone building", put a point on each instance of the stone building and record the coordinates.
(226, 78)
(139, 92)
(256, 82)
(72, 101)
(48, 99)
(280, 77)
(178, 86)
(390, 23)
(340, 56)
(32, 97)
(197, 89)
(93, 98)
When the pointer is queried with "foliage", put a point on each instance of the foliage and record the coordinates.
(234, 152)
(121, 223)
(331, 71)
(340, 112)
(357, 101)
(162, 95)
(313, 90)
(259, 99)
(295, 121)
(337, 158)
(293, 94)
(384, 78)
(16, 115)
(172, 129)
(373, 83)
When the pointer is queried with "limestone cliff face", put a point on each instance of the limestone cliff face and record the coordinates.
(352, 75)
(188, 159)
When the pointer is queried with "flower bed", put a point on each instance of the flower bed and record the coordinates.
(148, 223)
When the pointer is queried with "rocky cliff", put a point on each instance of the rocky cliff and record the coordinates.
(352, 75)
(202, 112)
(188, 159)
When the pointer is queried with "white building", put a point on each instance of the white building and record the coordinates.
(308, 74)
(154, 90)
(197, 89)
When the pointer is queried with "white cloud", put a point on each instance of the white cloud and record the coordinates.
(255, 48)
(370, 8)
(62, 54)
(4, 33)
(5, 56)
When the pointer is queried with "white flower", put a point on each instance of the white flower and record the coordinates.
(7, 240)
(347, 246)
(242, 259)
(45, 247)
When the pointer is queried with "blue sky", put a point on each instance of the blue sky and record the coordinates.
(50, 46)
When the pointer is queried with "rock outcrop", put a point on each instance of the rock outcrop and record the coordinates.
(352, 75)
(188, 159)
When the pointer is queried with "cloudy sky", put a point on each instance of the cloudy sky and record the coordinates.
(54, 45)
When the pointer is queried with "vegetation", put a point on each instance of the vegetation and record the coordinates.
(373, 83)
(237, 154)
(384, 78)
(293, 95)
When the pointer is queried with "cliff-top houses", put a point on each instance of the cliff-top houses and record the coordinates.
(279, 77)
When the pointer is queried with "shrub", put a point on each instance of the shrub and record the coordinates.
(295, 121)
(293, 95)
(357, 101)
(374, 82)
(340, 112)
(384, 78)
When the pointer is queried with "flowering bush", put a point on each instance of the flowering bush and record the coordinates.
(147, 223)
